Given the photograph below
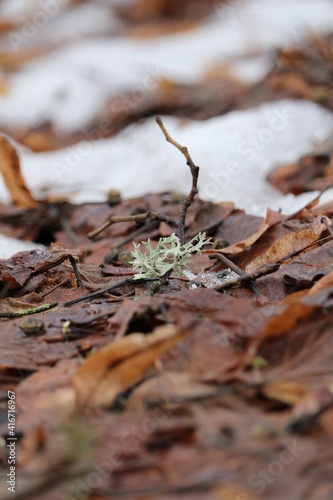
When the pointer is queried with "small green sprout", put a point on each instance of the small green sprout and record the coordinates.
(258, 362)
(168, 255)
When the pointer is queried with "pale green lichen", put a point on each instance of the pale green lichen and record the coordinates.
(168, 255)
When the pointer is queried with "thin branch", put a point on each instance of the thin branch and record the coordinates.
(76, 270)
(150, 215)
(227, 262)
(103, 291)
(247, 279)
(156, 216)
(328, 226)
(27, 312)
(195, 174)
(113, 254)
(62, 283)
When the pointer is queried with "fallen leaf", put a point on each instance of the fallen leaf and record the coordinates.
(285, 391)
(11, 172)
(286, 246)
(116, 367)
(272, 218)
(322, 284)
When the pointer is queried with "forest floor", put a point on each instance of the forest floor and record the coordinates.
(216, 383)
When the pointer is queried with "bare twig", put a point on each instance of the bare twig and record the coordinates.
(328, 226)
(156, 216)
(150, 215)
(113, 254)
(195, 174)
(227, 262)
(27, 312)
(62, 283)
(247, 279)
(103, 291)
(75, 269)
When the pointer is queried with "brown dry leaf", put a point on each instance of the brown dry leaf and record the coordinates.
(6, 25)
(322, 284)
(327, 421)
(309, 209)
(285, 391)
(296, 84)
(284, 321)
(285, 246)
(116, 367)
(49, 411)
(12, 61)
(3, 85)
(309, 173)
(272, 218)
(11, 172)
(168, 387)
(232, 492)
(318, 225)
(141, 11)
(163, 28)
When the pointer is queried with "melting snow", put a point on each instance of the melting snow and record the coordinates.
(235, 152)
(70, 85)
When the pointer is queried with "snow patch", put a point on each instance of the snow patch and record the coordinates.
(10, 246)
(72, 84)
(235, 152)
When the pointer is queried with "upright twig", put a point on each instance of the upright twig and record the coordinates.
(156, 216)
(195, 174)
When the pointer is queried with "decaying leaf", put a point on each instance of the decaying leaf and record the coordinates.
(272, 218)
(286, 246)
(11, 172)
(322, 284)
(117, 367)
(285, 391)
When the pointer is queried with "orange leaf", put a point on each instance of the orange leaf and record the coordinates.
(11, 172)
(272, 218)
(322, 284)
(116, 367)
(286, 246)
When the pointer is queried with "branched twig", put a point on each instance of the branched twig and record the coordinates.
(150, 215)
(195, 174)
(156, 216)
(115, 251)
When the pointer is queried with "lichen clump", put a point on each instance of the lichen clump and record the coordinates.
(168, 255)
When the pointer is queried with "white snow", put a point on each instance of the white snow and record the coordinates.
(72, 84)
(235, 152)
(10, 246)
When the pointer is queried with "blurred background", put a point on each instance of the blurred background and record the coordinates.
(80, 83)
